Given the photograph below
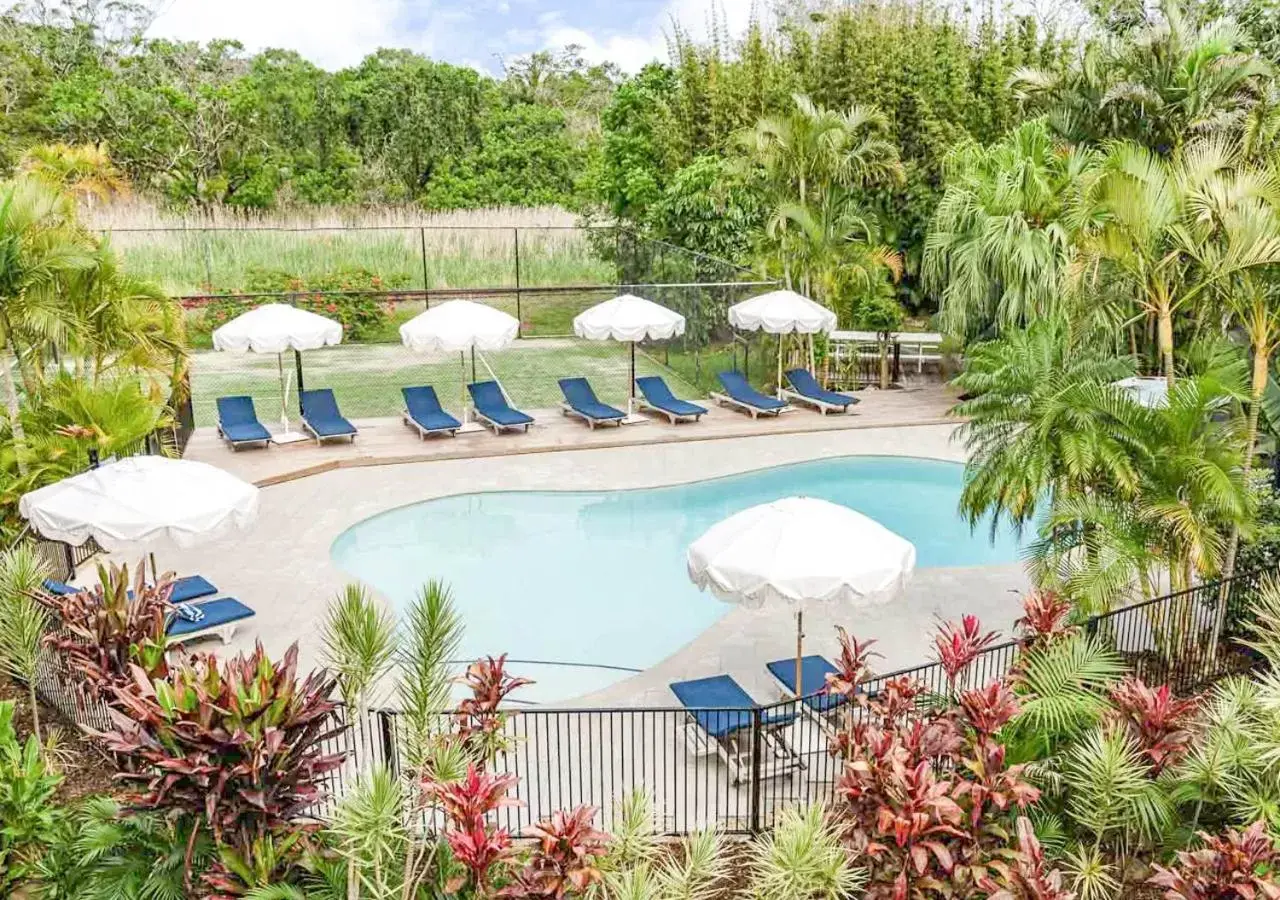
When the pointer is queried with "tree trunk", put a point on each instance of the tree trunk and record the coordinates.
(1165, 336)
(7, 362)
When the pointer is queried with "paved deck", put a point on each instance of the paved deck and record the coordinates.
(387, 441)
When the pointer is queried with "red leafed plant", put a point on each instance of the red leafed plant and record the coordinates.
(852, 665)
(1157, 720)
(564, 860)
(1044, 618)
(478, 717)
(1027, 878)
(927, 795)
(1240, 865)
(236, 747)
(105, 630)
(476, 842)
(958, 643)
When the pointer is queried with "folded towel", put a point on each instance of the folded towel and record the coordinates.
(188, 612)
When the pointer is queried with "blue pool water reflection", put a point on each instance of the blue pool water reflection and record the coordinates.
(588, 580)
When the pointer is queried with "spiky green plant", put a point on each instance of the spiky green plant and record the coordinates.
(699, 871)
(1111, 793)
(23, 620)
(359, 644)
(431, 632)
(1092, 877)
(369, 831)
(803, 858)
(633, 840)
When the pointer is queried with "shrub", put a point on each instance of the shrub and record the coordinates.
(803, 859)
(927, 793)
(28, 817)
(564, 860)
(483, 849)
(237, 748)
(341, 295)
(112, 627)
(1160, 722)
(479, 722)
(1240, 865)
(1028, 878)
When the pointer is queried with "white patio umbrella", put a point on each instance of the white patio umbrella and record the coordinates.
(1149, 391)
(628, 318)
(800, 551)
(782, 312)
(275, 328)
(142, 501)
(460, 325)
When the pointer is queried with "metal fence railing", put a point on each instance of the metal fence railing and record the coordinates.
(736, 768)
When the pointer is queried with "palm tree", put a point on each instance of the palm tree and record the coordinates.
(1176, 232)
(1171, 79)
(1001, 239)
(84, 171)
(23, 620)
(359, 641)
(1038, 422)
(40, 244)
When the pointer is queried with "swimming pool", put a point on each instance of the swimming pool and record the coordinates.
(592, 585)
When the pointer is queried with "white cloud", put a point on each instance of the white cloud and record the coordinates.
(330, 33)
(632, 50)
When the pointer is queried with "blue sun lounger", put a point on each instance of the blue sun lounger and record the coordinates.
(191, 587)
(492, 408)
(422, 411)
(658, 397)
(581, 401)
(321, 417)
(813, 673)
(720, 718)
(192, 621)
(739, 394)
(805, 389)
(238, 423)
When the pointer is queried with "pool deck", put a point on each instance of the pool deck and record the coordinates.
(388, 441)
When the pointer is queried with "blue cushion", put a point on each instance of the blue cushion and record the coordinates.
(656, 392)
(813, 672)
(320, 410)
(580, 396)
(222, 611)
(737, 387)
(239, 421)
(191, 587)
(490, 403)
(803, 382)
(715, 703)
(424, 407)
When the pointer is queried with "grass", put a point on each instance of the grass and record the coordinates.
(366, 378)
(227, 252)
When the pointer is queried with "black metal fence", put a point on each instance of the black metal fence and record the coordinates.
(736, 768)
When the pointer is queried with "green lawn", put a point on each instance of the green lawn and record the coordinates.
(367, 377)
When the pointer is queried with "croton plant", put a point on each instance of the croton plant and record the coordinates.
(238, 746)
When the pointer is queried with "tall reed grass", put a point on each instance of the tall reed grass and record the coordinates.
(225, 251)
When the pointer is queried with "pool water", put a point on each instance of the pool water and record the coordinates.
(590, 586)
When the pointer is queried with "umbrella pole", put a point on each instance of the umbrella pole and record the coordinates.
(462, 358)
(799, 651)
(631, 401)
(284, 394)
(155, 573)
(473, 362)
(297, 364)
(778, 388)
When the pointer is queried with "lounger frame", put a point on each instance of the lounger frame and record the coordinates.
(672, 417)
(734, 748)
(321, 438)
(498, 427)
(568, 409)
(423, 432)
(236, 445)
(744, 406)
(822, 406)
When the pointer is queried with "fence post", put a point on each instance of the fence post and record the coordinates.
(386, 730)
(757, 728)
(422, 245)
(515, 243)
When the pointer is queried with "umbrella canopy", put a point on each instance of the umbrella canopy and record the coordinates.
(275, 328)
(800, 551)
(1151, 391)
(628, 318)
(458, 325)
(782, 312)
(142, 500)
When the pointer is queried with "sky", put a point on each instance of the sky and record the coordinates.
(477, 33)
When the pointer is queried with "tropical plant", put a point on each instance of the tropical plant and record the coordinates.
(369, 833)
(1029, 878)
(238, 748)
(359, 644)
(1003, 235)
(479, 719)
(1112, 796)
(82, 170)
(23, 620)
(956, 645)
(564, 859)
(1240, 865)
(103, 852)
(484, 850)
(803, 858)
(1173, 233)
(1037, 422)
(432, 631)
(28, 816)
(104, 631)
(1159, 722)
